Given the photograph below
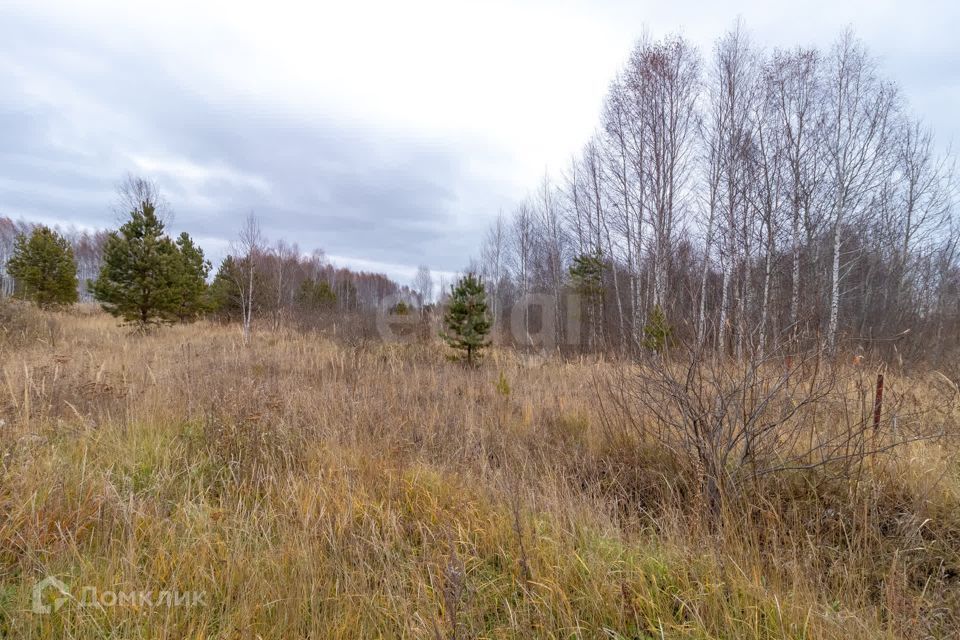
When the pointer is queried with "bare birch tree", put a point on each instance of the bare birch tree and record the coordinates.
(423, 285)
(794, 87)
(133, 191)
(249, 250)
(859, 107)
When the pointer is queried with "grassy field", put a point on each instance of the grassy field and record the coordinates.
(297, 487)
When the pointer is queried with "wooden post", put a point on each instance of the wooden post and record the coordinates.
(878, 402)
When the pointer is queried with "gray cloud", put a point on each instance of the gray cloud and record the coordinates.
(359, 192)
(83, 104)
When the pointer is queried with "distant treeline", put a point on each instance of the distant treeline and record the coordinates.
(287, 279)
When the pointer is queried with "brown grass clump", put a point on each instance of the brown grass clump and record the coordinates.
(313, 489)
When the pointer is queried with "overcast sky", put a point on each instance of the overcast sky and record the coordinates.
(387, 133)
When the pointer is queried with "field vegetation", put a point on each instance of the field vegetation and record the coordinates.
(317, 487)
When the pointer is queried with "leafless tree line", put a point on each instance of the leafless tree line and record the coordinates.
(278, 282)
(754, 197)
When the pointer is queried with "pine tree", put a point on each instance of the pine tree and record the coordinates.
(43, 269)
(467, 319)
(657, 332)
(191, 280)
(400, 309)
(223, 294)
(586, 274)
(315, 295)
(141, 274)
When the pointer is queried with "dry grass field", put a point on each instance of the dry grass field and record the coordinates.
(306, 488)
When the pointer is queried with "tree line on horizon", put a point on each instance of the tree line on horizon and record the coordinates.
(741, 200)
(144, 276)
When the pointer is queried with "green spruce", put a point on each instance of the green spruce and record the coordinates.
(315, 295)
(467, 319)
(43, 269)
(148, 279)
(586, 272)
(191, 282)
(657, 333)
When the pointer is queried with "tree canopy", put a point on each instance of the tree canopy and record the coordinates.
(146, 277)
(43, 268)
(192, 279)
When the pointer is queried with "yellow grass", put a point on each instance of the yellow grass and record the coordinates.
(309, 489)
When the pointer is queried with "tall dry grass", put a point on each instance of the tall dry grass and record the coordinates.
(310, 489)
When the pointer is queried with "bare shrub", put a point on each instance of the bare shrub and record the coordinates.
(737, 421)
